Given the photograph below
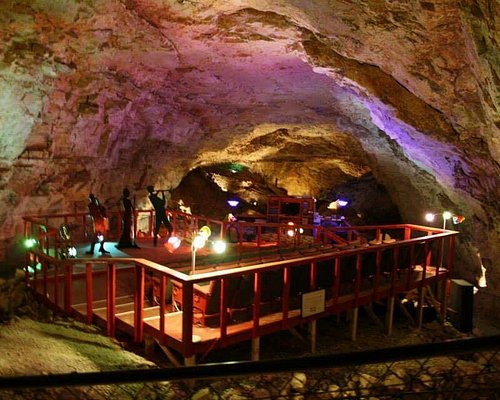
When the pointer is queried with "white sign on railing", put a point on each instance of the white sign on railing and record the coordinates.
(313, 303)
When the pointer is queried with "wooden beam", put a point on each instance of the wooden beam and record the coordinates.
(313, 334)
(171, 356)
(389, 316)
(369, 311)
(255, 349)
(354, 323)
(149, 345)
(420, 308)
(405, 312)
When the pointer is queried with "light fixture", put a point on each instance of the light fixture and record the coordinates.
(199, 242)
(335, 205)
(100, 237)
(447, 215)
(72, 252)
(172, 244)
(219, 246)
(233, 203)
(29, 243)
(429, 217)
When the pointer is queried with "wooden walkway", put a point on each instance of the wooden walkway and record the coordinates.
(257, 289)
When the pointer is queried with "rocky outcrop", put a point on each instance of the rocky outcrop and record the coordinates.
(313, 94)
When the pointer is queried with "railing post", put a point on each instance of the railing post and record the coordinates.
(139, 304)
(286, 294)
(378, 272)
(111, 300)
(45, 279)
(451, 258)
(163, 300)
(68, 289)
(187, 319)
(55, 284)
(336, 282)
(357, 282)
(257, 289)
(223, 308)
(410, 267)
(395, 270)
(90, 312)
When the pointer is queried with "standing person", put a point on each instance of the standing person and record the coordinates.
(98, 216)
(160, 214)
(128, 212)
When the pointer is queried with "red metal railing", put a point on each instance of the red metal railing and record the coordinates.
(416, 257)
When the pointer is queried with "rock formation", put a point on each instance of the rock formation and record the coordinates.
(101, 94)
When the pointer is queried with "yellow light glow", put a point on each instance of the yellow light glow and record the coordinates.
(205, 231)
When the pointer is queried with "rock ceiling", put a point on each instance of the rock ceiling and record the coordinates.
(98, 94)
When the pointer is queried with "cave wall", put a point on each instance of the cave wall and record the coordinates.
(100, 94)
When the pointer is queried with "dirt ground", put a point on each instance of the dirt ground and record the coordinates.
(59, 345)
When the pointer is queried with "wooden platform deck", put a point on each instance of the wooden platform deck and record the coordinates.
(256, 289)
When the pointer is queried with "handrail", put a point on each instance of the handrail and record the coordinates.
(188, 282)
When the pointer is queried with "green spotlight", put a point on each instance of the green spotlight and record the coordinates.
(29, 243)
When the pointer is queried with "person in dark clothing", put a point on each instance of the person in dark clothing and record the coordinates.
(160, 214)
(98, 216)
(128, 212)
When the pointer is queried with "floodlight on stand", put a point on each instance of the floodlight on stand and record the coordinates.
(100, 237)
(199, 242)
(219, 246)
(29, 243)
(446, 216)
(72, 252)
(342, 202)
(429, 217)
(172, 244)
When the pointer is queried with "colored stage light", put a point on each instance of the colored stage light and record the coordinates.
(447, 215)
(72, 252)
(205, 231)
(429, 217)
(172, 244)
(29, 243)
(219, 246)
(199, 242)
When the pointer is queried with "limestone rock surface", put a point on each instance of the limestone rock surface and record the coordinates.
(100, 94)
